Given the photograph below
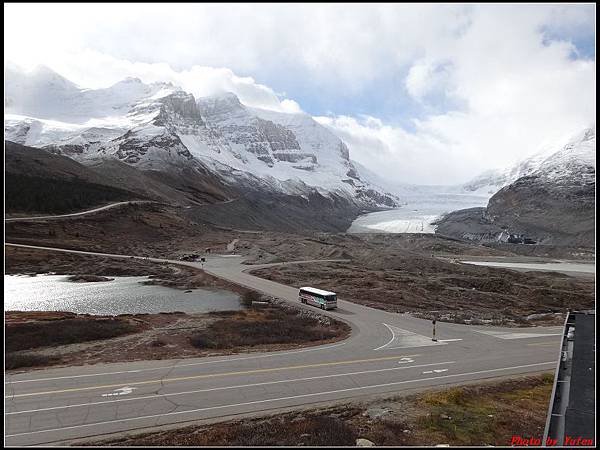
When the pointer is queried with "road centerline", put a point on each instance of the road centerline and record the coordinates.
(221, 388)
(214, 375)
(189, 411)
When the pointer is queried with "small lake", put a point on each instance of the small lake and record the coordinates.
(416, 213)
(123, 295)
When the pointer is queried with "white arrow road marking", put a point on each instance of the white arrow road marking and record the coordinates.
(121, 391)
(405, 360)
(436, 371)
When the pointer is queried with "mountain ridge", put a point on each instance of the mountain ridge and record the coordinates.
(491, 181)
(157, 125)
(552, 203)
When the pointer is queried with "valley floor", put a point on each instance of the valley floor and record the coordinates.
(41, 339)
(413, 273)
(446, 291)
(410, 273)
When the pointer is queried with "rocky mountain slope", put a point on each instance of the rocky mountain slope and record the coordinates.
(552, 203)
(491, 181)
(39, 182)
(161, 130)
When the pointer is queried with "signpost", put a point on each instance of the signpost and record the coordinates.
(433, 338)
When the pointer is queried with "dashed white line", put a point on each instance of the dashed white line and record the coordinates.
(128, 419)
(146, 397)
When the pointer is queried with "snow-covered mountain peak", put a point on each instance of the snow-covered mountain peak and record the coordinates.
(131, 80)
(566, 157)
(158, 125)
(573, 163)
(44, 94)
(581, 148)
(37, 92)
(44, 74)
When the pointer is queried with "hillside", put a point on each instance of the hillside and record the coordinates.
(39, 182)
(552, 204)
(160, 141)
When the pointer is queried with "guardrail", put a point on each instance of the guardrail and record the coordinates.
(571, 412)
(551, 428)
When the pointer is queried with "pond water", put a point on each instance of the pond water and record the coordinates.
(123, 295)
(416, 214)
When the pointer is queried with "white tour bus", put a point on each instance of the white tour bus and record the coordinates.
(318, 297)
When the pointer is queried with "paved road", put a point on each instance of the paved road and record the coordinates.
(386, 353)
(77, 214)
(101, 208)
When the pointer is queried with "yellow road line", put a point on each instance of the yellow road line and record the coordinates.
(195, 377)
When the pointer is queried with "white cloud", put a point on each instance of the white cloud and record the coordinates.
(290, 106)
(428, 78)
(335, 45)
(92, 69)
(396, 154)
(517, 93)
(491, 82)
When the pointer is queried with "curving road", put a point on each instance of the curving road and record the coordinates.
(77, 214)
(386, 353)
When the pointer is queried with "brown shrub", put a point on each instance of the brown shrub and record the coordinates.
(17, 360)
(249, 297)
(273, 326)
(158, 343)
(28, 335)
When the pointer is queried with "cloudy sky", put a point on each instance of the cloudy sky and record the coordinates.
(428, 94)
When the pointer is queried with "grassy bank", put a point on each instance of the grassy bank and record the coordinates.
(38, 339)
(26, 332)
(266, 326)
(30, 335)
